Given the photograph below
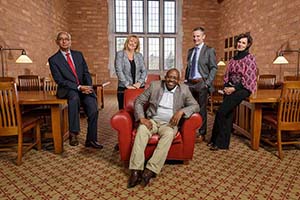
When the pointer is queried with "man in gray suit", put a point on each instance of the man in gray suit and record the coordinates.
(168, 102)
(200, 73)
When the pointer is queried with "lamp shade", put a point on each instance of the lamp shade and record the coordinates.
(280, 60)
(23, 59)
(221, 63)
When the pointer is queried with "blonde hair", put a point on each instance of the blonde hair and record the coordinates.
(137, 49)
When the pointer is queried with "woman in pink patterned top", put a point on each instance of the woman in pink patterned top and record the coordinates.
(239, 83)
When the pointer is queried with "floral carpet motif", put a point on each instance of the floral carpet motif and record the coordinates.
(83, 173)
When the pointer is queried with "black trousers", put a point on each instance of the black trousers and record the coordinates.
(120, 96)
(224, 118)
(200, 93)
(89, 103)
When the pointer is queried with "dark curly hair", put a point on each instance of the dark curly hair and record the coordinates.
(244, 35)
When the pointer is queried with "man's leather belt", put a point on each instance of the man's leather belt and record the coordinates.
(194, 81)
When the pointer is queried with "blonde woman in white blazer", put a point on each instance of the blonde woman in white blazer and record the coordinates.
(130, 67)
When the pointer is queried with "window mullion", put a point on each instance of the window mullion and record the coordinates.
(129, 15)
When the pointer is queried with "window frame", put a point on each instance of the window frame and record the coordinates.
(178, 34)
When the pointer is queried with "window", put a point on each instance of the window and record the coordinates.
(155, 23)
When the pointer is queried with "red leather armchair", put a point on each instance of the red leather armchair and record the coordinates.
(123, 121)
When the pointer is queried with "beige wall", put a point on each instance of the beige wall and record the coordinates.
(34, 26)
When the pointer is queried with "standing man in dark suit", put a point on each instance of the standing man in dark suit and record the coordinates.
(71, 74)
(200, 73)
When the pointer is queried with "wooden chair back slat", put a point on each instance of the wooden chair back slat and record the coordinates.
(266, 81)
(11, 121)
(29, 83)
(49, 85)
(289, 109)
(9, 108)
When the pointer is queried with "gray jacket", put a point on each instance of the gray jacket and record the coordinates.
(122, 67)
(207, 65)
(183, 100)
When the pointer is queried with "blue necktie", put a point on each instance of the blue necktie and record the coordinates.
(194, 67)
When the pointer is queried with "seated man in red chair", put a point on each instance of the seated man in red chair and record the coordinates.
(168, 101)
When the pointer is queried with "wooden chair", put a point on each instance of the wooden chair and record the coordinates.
(7, 79)
(287, 117)
(29, 82)
(290, 78)
(99, 90)
(11, 122)
(49, 85)
(215, 98)
(266, 81)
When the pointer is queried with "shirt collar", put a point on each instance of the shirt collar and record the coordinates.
(65, 52)
(171, 91)
(200, 45)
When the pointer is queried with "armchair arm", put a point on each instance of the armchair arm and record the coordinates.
(122, 122)
(188, 131)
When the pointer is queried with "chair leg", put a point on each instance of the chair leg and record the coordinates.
(279, 144)
(20, 149)
(38, 136)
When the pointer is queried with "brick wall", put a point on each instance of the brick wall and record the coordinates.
(274, 25)
(199, 13)
(89, 28)
(31, 25)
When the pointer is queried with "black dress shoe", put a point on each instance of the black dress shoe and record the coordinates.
(134, 179)
(214, 148)
(116, 147)
(147, 175)
(93, 144)
(73, 141)
(200, 139)
(210, 144)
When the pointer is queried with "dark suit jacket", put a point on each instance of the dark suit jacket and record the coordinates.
(63, 75)
(207, 65)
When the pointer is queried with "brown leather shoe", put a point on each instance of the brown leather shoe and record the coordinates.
(147, 175)
(73, 141)
(135, 178)
(200, 139)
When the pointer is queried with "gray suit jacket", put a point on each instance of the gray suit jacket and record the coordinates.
(183, 100)
(122, 67)
(207, 65)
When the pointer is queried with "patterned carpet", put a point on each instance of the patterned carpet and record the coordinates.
(81, 173)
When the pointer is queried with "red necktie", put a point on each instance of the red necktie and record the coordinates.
(72, 67)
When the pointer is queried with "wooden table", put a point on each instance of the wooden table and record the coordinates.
(257, 99)
(58, 112)
(248, 115)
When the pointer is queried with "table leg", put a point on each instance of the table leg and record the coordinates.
(256, 126)
(56, 119)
